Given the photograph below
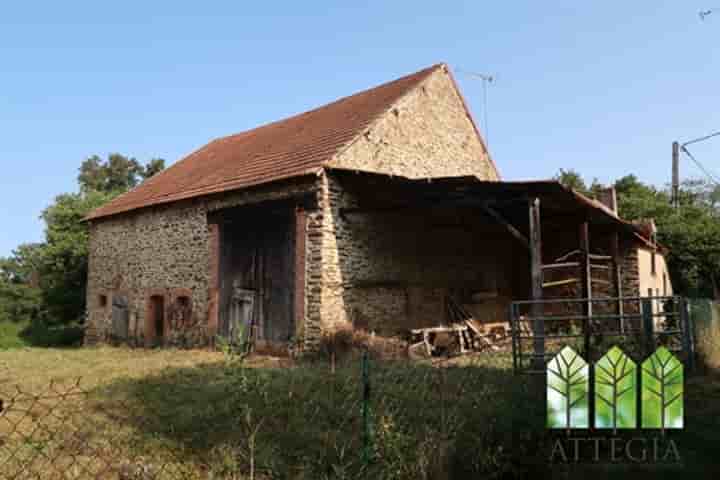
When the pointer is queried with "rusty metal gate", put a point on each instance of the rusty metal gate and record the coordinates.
(638, 325)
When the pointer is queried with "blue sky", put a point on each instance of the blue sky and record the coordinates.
(602, 87)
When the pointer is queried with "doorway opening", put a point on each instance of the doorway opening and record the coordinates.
(155, 321)
(257, 273)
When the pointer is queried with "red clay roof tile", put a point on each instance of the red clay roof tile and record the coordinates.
(296, 146)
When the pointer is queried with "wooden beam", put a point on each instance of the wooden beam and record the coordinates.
(300, 268)
(560, 265)
(559, 283)
(536, 283)
(585, 276)
(617, 276)
(510, 228)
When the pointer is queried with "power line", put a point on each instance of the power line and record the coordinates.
(701, 139)
(705, 170)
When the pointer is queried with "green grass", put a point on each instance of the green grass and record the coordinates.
(10, 335)
(206, 418)
(23, 334)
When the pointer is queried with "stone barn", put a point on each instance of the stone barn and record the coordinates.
(371, 211)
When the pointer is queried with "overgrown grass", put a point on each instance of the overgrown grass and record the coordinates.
(306, 421)
(469, 418)
(19, 334)
(10, 335)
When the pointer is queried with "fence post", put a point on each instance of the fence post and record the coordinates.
(648, 327)
(687, 333)
(366, 408)
(514, 333)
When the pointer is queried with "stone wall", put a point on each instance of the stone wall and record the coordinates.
(373, 273)
(427, 133)
(168, 251)
(388, 271)
(629, 270)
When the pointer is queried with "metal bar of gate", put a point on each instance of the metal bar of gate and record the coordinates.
(645, 328)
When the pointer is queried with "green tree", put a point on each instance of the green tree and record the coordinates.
(572, 179)
(63, 262)
(47, 281)
(19, 292)
(117, 174)
(691, 233)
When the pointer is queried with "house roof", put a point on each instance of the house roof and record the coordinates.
(509, 197)
(293, 147)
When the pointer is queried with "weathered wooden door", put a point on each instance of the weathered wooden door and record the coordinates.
(120, 316)
(155, 321)
(278, 282)
(242, 314)
(257, 257)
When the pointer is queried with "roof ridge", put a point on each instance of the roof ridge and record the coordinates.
(280, 149)
(419, 73)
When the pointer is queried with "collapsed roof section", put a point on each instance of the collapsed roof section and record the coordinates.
(512, 198)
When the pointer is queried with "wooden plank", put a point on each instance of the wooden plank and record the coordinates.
(510, 228)
(586, 291)
(617, 276)
(536, 280)
(561, 265)
(426, 340)
(561, 282)
(299, 269)
(568, 255)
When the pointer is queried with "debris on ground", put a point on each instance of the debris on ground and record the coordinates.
(463, 336)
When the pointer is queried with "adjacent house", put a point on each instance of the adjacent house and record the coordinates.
(370, 211)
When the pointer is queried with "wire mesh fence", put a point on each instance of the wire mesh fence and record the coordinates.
(361, 418)
(62, 433)
(705, 315)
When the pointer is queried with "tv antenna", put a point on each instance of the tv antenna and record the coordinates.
(486, 80)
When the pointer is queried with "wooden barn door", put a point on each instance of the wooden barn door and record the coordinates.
(258, 261)
(277, 281)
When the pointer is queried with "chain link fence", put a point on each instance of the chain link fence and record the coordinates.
(345, 417)
(705, 316)
(62, 433)
(359, 418)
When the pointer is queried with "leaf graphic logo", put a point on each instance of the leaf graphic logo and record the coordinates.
(617, 383)
(615, 391)
(662, 391)
(567, 391)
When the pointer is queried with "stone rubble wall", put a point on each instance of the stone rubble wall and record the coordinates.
(388, 272)
(166, 250)
(427, 133)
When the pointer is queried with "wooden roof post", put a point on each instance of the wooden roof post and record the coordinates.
(536, 284)
(617, 278)
(586, 279)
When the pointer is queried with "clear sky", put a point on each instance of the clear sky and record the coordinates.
(601, 87)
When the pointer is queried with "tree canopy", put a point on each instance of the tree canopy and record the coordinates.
(47, 281)
(690, 233)
(117, 174)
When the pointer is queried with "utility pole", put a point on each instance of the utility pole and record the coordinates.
(676, 149)
(676, 175)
